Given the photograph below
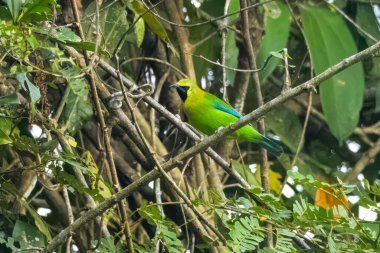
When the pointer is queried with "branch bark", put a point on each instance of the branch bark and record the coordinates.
(363, 162)
(183, 42)
(311, 84)
(107, 141)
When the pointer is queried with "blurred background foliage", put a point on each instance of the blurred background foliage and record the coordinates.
(324, 189)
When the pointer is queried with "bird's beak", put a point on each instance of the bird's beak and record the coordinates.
(178, 88)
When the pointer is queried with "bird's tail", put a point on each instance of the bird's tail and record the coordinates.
(272, 146)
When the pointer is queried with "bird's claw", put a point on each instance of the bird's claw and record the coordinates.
(219, 130)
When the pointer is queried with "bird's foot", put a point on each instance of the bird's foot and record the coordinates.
(219, 130)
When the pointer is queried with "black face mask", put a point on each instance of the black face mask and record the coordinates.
(182, 91)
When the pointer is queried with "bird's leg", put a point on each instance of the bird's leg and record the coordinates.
(219, 129)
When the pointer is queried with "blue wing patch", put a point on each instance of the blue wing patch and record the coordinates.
(227, 110)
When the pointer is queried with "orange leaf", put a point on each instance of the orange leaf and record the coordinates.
(329, 197)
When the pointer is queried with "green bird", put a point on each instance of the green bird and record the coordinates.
(207, 113)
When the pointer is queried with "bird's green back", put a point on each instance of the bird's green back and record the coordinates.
(207, 113)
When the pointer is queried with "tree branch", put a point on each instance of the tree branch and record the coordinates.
(363, 162)
(311, 84)
(263, 158)
(106, 137)
(183, 42)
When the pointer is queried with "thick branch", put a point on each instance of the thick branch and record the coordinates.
(311, 84)
(363, 162)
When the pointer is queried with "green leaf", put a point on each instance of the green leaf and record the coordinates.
(78, 110)
(4, 138)
(366, 19)
(9, 188)
(210, 49)
(29, 87)
(245, 234)
(245, 172)
(330, 41)
(306, 180)
(84, 45)
(65, 34)
(14, 7)
(70, 180)
(8, 243)
(77, 85)
(108, 245)
(27, 235)
(139, 31)
(333, 248)
(36, 10)
(377, 106)
(11, 99)
(153, 23)
(113, 24)
(231, 55)
(26, 143)
(284, 242)
(231, 49)
(5, 13)
(165, 229)
(74, 161)
(277, 29)
(286, 124)
(5, 130)
(40, 223)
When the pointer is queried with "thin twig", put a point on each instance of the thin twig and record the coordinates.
(158, 194)
(287, 82)
(192, 133)
(184, 45)
(156, 96)
(156, 60)
(363, 162)
(302, 139)
(69, 214)
(235, 69)
(124, 36)
(352, 21)
(107, 141)
(203, 40)
(224, 40)
(97, 34)
(62, 103)
(77, 172)
(208, 141)
(212, 19)
(166, 176)
(264, 168)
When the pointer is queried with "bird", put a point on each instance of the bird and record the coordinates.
(207, 113)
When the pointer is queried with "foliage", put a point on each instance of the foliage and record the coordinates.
(165, 229)
(50, 136)
(245, 234)
(339, 95)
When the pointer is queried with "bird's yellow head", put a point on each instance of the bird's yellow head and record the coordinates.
(185, 87)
